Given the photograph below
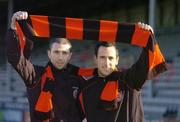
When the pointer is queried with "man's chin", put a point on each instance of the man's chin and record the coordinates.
(59, 67)
(104, 74)
(107, 73)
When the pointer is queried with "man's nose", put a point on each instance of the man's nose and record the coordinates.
(106, 61)
(60, 56)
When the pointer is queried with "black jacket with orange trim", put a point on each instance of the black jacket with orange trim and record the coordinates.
(97, 99)
(66, 108)
(58, 99)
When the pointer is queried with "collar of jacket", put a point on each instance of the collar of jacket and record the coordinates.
(49, 72)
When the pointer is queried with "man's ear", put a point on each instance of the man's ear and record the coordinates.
(95, 59)
(49, 54)
(117, 60)
(70, 55)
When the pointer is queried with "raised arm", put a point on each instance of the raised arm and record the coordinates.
(150, 63)
(18, 56)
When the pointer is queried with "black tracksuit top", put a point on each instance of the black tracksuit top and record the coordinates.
(65, 107)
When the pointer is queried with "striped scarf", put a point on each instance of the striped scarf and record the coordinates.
(38, 27)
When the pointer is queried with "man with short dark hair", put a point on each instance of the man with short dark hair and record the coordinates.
(58, 73)
(112, 94)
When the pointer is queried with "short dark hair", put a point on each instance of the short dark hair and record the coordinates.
(59, 40)
(106, 44)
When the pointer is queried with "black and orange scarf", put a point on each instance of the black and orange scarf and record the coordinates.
(38, 27)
